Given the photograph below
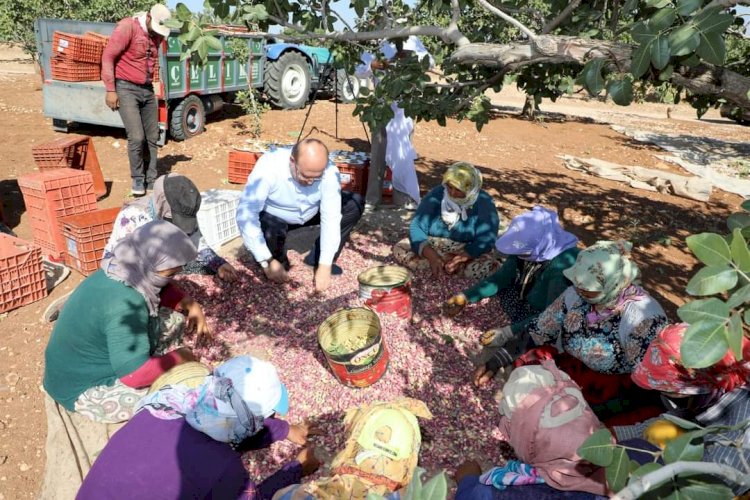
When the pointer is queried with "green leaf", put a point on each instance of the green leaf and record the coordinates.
(740, 252)
(598, 448)
(712, 48)
(746, 204)
(687, 7)
(739, 297)
(713, 21)
(436, 487)
(739, 220)
(694, 489)
(684, 448)
(182, 12)
(681, 422)
(617, 471)
(709, 248)
(213, 42)
(736, 335)
(644, 469)
(662, 19)
(641, 60)
(621, 91)
(592, 76)
(657, 4)
(684, 40)
(746, 316)
(641, 33)
(704, 344)
(660, 53)
(629, 6)
(173, 23)
(666, 73)
(711, 280)
(711, 309)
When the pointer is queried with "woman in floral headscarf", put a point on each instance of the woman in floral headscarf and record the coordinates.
(604, 324)
(715, 396)
(530, 279)
(454, 228)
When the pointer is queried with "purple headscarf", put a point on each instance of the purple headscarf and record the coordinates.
(136, 260)
(535, 236)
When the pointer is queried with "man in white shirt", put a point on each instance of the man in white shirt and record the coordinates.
(290, 189)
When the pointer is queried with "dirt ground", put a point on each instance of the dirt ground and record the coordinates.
(517, 157)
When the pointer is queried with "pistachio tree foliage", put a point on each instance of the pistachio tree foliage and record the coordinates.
(622, 47)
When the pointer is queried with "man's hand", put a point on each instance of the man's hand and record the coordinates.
(456, 262)
(276, 272)
(227, 273)
(454, 305)
(300, 433)
(310, 463)
(322, 277)
(113, 102)
(468, 468)
(195, 317)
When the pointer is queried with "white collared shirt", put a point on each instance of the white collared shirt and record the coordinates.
(271, 188)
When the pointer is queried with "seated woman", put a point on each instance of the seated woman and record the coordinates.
(107, 346)
(530, 279)
(604, 323)
(454, 228)
(379, 458)
(180, 442)
(177, 200)
(715, 396)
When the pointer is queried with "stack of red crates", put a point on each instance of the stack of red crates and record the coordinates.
(71, 151)
(51, 195)
(86, 235)
(22, 278)
(241, 163)
(76, 58)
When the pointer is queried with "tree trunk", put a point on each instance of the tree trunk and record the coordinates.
(529, 107)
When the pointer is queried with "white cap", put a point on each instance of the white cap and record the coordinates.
(159, 13)
(258, 383)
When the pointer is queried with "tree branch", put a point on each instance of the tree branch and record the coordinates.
(453, 36)
(650, 481)
(507, 18)
(562, 16)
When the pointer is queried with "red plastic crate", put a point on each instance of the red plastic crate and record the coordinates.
(72, 71)
(86, 235)
(387, 194)
(97, 37)
(22, 279)
(71, 151)
(241, 163)
(51, 195)
(77, 48)
(353, 177)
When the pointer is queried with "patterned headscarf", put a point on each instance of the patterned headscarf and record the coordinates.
(661, 368)
(536, 236)
(229, 405)
(604, 267)
(136, 260)
(465, 177)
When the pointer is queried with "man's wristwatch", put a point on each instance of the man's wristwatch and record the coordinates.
(263, 264)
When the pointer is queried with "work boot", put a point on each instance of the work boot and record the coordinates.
(138, 189)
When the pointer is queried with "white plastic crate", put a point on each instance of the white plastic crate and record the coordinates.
(217, 217)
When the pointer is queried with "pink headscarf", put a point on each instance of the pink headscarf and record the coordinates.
(662, 369)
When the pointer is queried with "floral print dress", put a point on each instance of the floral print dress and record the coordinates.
(610, 344)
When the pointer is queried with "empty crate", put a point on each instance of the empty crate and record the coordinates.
(86, 235)
(71, 151)
(73, 71)
(22, 279)
(217, 218)
(78, 48)
(241, 163)
(51, 195)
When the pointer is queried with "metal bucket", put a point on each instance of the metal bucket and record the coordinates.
(387, 290)
(353, 345)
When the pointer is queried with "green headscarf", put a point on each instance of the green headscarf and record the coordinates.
(604, 267)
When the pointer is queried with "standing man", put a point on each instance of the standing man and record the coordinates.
(128, 65)
(291, 189)
(392, 145)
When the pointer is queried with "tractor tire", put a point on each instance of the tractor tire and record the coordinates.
(287, 81)
(188, 119)
(347, 88)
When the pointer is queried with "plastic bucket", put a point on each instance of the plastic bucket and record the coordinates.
(387, 290)
(353, 345)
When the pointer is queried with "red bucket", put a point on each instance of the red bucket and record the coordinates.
(387, 290)
(353, 345)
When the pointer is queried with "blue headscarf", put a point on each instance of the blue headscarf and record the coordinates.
(535, 236)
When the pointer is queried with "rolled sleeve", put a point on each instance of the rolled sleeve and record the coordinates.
(252, 203)
(330, 215)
